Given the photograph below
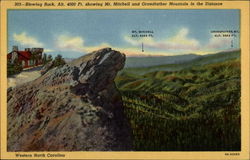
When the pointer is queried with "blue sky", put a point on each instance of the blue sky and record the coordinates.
(73, 33)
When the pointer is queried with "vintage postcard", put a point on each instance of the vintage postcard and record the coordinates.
(140, 79)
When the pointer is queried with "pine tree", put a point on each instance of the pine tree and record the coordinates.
(49, 59)
(59, 61)
(44, 59)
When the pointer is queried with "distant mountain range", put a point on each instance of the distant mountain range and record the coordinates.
(135, 62)
(132, 62)
(172, 63)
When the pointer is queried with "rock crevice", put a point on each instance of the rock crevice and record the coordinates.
(76, 107)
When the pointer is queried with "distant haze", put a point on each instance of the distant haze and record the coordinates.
(152, 61)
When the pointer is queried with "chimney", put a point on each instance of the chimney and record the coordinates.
(15, 48)
(28, 49)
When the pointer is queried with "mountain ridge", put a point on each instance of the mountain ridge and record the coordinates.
(75, 107)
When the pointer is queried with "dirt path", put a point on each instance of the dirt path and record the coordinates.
(24, 76)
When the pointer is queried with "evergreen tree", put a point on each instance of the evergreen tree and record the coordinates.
(13, 68)
(49, 59)
(59, 61)
(44, 59)
(18, 66)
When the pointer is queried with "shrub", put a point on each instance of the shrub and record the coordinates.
(14, 68)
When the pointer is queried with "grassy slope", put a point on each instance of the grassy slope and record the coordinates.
(196, 108)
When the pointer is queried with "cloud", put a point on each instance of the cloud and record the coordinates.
(48, 50)
(76, 44)
(182, 41)
(219, 42)
(179, 42)
(26, 40)
(138, 42)
(137, 52)
(67, 42)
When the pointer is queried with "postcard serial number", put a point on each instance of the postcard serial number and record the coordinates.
(232, 154)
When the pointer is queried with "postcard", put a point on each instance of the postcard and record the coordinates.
(140, 79)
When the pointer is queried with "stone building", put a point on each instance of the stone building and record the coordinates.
(30, 57)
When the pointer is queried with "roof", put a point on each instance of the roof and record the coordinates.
(25, 54)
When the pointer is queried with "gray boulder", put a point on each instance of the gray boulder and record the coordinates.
(76, 107)
(46, 67)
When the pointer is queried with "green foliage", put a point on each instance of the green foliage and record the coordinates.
(49, 59)
(50, 63)
(44, 58)
(58, 61)
(14, 68)
(35, 56)
(192, 109)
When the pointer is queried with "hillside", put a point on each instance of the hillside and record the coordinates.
(192, 106)
(73, 107)
(23, 77)
(170, 63)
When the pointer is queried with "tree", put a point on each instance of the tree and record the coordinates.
(59, 61)
(44, 59)
(49, 58)
(32, 58)
(36, 57)
(13, 68)
(18, 66)
(10, 68)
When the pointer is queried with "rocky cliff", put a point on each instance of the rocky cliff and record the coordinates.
(75, 107)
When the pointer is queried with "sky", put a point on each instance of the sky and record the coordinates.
(73, 33)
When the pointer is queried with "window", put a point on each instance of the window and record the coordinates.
(31, 62)
(23, 63)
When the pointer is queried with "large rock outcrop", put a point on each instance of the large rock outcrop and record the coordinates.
(72, 108)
